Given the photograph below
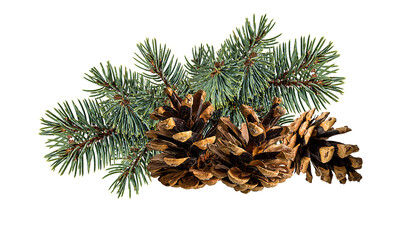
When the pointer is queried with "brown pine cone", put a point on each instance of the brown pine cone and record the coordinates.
(184, 161)
(248, 159)
(309, 139)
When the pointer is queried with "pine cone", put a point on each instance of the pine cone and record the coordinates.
(184, 161)
(249, 159)
(308, 137)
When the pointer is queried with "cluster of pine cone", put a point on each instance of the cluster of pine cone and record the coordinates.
(259, 154)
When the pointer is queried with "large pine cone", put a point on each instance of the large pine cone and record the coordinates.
(184, 161)
(309, 139)
(249, 159)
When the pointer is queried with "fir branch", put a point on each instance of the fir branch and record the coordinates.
(143, 95)
(112, 81)
(255, 77)
(120, 90)
(215, 74)
(132, 171)
(251, 38)
(240, 69)
(302, 74)
(148, 97)
(82, 138)
(159, 65)
(247, 46)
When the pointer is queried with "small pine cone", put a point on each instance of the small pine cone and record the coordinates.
(309, 139)
(248, 159)
(184, 161)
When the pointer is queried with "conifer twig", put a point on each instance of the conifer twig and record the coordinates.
(132, 172)
(302, 74)
(82, 138)
(159, 65)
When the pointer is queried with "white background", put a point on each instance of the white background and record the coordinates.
(46, 46)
